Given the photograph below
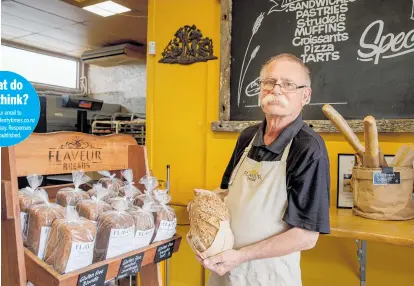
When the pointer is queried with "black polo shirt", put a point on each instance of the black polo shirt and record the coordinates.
(307, 174)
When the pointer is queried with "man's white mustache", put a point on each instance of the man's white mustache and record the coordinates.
(274, 100)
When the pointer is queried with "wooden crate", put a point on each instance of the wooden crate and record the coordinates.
(59, 153)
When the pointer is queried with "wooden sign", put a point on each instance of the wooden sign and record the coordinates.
(64, 152)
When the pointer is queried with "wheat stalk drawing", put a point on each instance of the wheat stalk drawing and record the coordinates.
(252, 56)
(255, 28)
(412, 11)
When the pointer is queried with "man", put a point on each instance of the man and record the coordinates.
(277, 184)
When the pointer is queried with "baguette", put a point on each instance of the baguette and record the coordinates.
(339, 122)
(382, 161)
(401, 154)
(371, 154)
(407, 161)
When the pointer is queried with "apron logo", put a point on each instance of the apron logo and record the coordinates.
(252, 175)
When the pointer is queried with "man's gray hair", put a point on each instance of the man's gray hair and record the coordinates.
(292, 58)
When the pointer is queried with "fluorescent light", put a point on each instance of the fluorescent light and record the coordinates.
(98, 11)
(107, 8)
(112, 7)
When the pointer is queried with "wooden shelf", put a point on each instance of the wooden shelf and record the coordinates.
(345, 224)
(38, 272)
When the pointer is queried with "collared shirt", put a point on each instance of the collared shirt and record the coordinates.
(307, 171)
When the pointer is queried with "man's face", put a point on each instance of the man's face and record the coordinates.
(286, 100)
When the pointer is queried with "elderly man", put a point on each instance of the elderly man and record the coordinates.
(277, 185)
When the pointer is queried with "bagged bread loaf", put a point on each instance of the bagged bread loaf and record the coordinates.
(29, 196)
(110, 181)
(210, 231)
(40, 218)
(71, 196)
(116, 230)
(144, 225)
(150, 184)
(129, 189)
(165, 218)
(92, 208)
(71, 243)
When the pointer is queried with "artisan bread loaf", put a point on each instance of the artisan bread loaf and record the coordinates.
(29, 196)
(165, 218)
(116, 230)
(110, 182)
(71, 196)
(206, 212)
(92, 208)
(129, 189)
(144, 226)
(40, 218)
(71, 243)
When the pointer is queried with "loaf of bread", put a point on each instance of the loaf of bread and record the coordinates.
(116, 229)
(32, 194)
(206, 211)
(110, 182)
(92, 208)
(165, 218)
(40, 218)
(70, 196)
(340, 123)
(71, 243)
(144, 226)
(371, 154)
(129, 189)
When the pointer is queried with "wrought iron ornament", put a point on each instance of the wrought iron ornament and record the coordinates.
(188, 47)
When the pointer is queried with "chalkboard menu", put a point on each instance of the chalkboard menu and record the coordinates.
(360, 54)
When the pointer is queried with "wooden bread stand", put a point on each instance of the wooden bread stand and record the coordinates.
(345, 224)
(60, 153)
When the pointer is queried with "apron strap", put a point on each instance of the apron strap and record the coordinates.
(286, 152)
(243, 157)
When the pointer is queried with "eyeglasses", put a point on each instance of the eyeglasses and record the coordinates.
(285, 86)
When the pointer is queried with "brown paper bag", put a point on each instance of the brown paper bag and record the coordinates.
(382, 195)
(223, 241)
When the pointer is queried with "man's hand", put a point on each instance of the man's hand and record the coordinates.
(223, 262)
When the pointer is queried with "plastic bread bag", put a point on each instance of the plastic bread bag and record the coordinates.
(71, 242)
(29, 196)
(70, 196)
(116, 230)
(129, 189)
(144, 222)
(95, 206)
(40, 218)
(110, 181)
(165, 218)
(210, 231)
(150, 184)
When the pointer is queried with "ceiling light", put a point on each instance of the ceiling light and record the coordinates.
(107, 8)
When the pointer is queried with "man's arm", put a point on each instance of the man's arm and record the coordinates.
(293, 240)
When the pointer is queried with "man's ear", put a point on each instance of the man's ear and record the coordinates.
(306, 96)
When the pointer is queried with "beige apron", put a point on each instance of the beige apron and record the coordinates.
(257, 201)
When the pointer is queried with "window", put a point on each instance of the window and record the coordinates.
(41, 68)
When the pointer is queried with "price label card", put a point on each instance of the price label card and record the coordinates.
(380, 178)
(164, 251)
(94, 277)
(130, 266)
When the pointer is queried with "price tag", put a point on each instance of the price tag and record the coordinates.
(164, 251)
(130, 265)
(94, 277)
(380, 178)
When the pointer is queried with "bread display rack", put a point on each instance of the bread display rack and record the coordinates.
(120, 123)
(58, 153)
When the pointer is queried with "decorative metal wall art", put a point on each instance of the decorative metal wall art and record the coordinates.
(188, 47)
